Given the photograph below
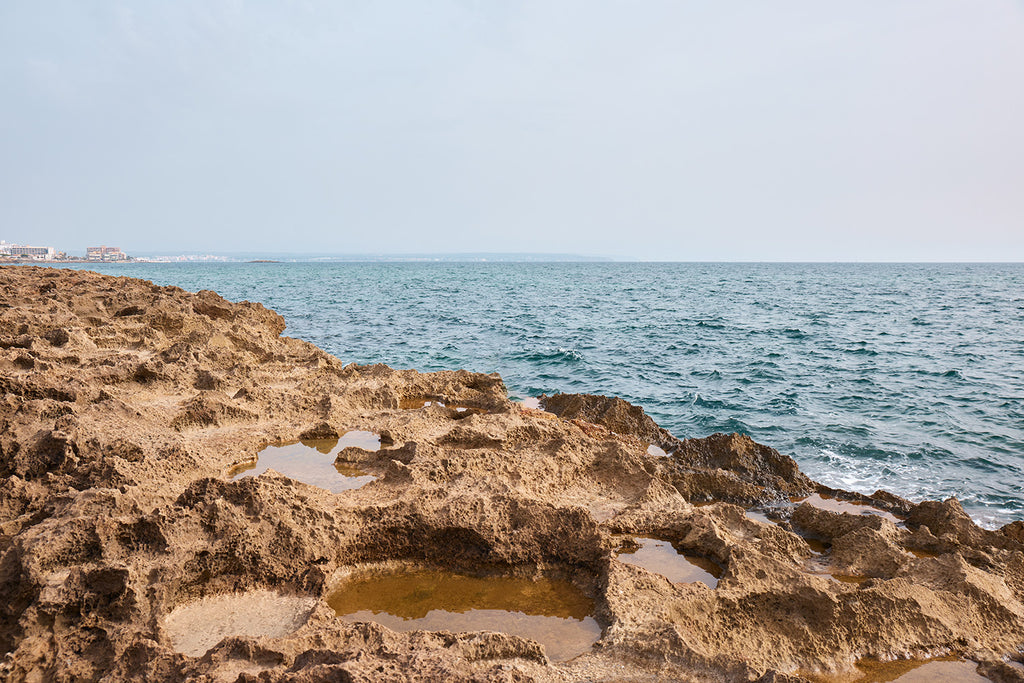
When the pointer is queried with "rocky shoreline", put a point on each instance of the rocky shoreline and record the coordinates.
(127, 404)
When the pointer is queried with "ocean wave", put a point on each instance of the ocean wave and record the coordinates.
(558, 354)
(861, 351)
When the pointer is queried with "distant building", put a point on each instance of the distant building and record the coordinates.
(25, 251)
(105, 254)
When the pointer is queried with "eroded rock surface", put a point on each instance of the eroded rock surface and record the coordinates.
(125, 405)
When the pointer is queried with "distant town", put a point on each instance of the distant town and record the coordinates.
(24, 252)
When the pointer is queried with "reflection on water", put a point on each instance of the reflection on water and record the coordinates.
(822, 568)
(417, 402)
(816, 545)
(194, 628)
(759, 517)
(662, 558)
(938, 670)
(835, 505)
(553, 612)
(368, 441)
(943, 670)
(312, 462)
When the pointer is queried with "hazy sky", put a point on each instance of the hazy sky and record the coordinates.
(869, 130)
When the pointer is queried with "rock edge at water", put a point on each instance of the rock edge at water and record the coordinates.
(124, 405)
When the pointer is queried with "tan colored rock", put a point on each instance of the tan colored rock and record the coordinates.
(125, 406)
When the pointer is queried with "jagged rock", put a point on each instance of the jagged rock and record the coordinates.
(117, 506)
(611, 412)
(320, 431)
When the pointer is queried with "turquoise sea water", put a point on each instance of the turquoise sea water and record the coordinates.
(908, 377)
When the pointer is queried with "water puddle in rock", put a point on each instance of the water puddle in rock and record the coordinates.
(313, 462)
(819, 568)
(817, 546)
(417, 403)
(759, 517)
(840, 506)
(532, 406)
(819, 565)
(552, 612)
(425, 402)
(942, 670)
(195, 628)
(368, 441)
(662, 558)
(656, 451)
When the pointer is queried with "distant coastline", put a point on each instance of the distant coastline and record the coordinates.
(284, 257)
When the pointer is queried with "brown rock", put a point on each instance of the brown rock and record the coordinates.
(117, 507)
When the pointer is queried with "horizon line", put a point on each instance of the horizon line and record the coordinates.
(198, 256)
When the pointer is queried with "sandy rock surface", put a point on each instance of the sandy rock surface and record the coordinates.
(125, 405)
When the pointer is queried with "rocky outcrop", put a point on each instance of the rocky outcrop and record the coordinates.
(125, 406)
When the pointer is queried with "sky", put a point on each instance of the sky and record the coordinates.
(879, 130)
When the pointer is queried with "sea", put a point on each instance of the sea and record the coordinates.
(904, 377)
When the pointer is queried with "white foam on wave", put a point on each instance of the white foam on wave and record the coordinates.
(908, 479)
(571, 354)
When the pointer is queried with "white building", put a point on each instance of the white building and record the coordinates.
(105, 254)
(23, 250)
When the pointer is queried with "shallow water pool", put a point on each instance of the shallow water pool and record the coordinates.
(553, 612)
(313, 462)
(662, 558)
